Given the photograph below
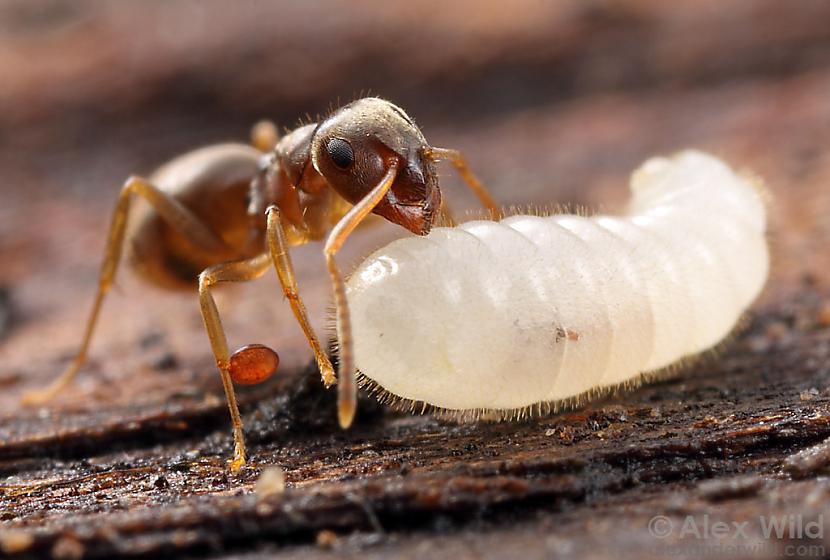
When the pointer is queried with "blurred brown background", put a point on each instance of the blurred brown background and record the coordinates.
(551, 101)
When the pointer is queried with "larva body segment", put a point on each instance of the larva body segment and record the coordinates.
(501, 316)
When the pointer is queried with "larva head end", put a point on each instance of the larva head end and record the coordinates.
(253, 364)
(352, 148)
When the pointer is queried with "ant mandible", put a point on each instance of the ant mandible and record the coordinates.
(227, 212)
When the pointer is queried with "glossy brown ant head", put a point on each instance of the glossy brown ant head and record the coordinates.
(352, 149)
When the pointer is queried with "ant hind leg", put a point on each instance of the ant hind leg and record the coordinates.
(173, 212)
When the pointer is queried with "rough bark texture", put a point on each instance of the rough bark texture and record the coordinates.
(551, 105)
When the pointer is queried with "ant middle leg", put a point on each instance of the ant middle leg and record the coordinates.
(175, 214)
(278, 248)
(237, 271)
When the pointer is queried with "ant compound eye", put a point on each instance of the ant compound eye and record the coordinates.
(340, 153)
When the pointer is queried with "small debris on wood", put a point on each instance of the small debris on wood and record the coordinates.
(809, 394)
(718, 490)
(68, 548)
(270, 483)
(808, 462)
(326, 539)
(15, 541)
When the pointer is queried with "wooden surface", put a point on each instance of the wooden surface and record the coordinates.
(551, 105)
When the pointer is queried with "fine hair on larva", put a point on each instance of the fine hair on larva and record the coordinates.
(535, 314)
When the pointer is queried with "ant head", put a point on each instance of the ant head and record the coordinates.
(352, 149)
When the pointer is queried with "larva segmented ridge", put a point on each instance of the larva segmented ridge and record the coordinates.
(534, 311)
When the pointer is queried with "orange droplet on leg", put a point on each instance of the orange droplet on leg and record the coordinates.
(253, 364)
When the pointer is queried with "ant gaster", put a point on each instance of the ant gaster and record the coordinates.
(228, 212)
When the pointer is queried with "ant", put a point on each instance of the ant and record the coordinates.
(228, 212)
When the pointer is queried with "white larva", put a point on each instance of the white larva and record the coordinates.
(502, 316)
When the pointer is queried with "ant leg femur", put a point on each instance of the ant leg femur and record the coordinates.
(176, 215)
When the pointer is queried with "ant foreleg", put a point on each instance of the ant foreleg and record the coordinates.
(174, 213)
(458, 161)
(346, 384)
